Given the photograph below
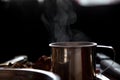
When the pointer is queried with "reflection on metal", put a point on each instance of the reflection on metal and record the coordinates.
(26, 74)
(102, 77)
(65, 56)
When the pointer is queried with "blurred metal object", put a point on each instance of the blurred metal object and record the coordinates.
(26, 74)
(97, 2)
(21, 58)
(101, 77)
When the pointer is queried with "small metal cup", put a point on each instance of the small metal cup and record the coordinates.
(74, 60)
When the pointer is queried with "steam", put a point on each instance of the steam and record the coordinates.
(58, 16)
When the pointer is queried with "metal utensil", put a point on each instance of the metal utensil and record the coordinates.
(20, 58)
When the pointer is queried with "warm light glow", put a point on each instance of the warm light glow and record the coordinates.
(40, 1)
(96, 2)
(65, 56)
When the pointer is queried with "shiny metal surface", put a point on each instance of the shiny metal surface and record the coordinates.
(20, 58)
(26, 74)
(74, 60)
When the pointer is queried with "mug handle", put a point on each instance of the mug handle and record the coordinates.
(108, 47)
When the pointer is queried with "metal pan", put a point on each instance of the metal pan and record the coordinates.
(26, 74)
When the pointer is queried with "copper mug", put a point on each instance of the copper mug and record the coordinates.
(74, 60)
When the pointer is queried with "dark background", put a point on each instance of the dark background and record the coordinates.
(23, 32)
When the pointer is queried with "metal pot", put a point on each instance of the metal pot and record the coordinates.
(26, 74)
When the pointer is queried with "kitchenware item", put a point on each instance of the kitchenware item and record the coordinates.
(20, 58)
(75, 60)
(26, 74)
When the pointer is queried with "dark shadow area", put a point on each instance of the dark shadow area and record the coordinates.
(23, 32)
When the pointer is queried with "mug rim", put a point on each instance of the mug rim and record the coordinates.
(73, 44)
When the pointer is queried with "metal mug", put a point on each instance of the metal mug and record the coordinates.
(74, 60)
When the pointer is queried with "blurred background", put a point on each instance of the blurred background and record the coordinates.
(28, 26)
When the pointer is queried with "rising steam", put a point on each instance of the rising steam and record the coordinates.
(58, 16)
